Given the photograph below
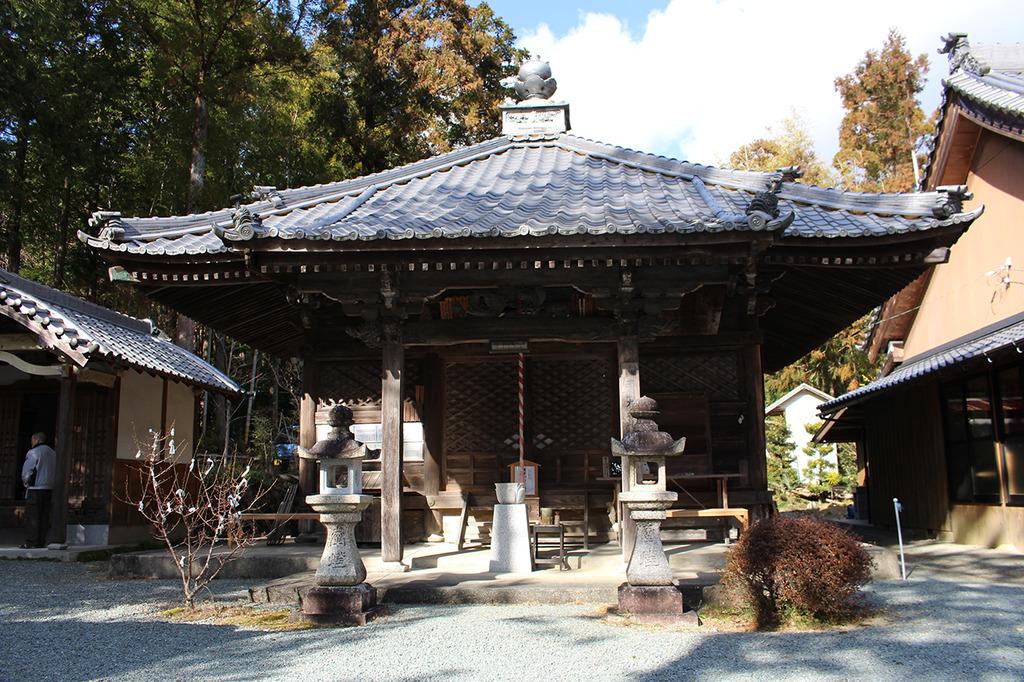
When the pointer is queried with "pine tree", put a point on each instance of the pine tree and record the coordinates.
(820, 473)
(782, 478)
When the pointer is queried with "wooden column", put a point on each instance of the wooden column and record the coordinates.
(64, 446)
(758, 469)
(432, 418)
(629, 390)
(308, 484)
(391, 452)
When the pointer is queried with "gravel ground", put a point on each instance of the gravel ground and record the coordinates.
(68, 622)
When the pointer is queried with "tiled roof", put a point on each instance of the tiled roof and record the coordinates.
(510, 187)
(1001, 92)
(987, 81)
(81, 330)
(996, 337)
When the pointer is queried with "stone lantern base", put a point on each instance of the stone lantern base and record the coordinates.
(353, 605)
(655, 603)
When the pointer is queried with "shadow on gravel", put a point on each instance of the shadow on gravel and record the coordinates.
(971, 629)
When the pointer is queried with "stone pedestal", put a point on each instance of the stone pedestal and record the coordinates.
(352, 605)
(340, 596)
(648, 564)
(660, 603)
(510, 540)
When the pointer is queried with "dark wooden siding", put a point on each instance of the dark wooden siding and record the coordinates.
(903, 443)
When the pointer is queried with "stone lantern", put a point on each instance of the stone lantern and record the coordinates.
(649, 586)
(340, 595)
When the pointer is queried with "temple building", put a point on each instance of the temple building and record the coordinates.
(943, 429)
(410, 295)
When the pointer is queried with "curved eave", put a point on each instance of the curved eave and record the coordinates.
(68, 340)
(921, 227)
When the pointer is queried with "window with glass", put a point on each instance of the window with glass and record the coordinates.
(970, 441)
(984, 423)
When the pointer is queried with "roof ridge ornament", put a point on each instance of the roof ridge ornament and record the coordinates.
(110, 224)
(534, 80)
(243, 225)
(957, 47)
(536, 115)
(763, 209)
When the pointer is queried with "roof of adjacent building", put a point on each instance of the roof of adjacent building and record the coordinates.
(982, 343)
(558, 184)
(80, 330)
(803, 389)
(985, 83)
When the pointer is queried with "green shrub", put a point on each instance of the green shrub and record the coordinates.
(798, 565)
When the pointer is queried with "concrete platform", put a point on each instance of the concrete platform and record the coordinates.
(442, 575)
(70, 553)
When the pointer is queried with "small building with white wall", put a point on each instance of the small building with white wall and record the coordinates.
(799, 408)
(99, 384)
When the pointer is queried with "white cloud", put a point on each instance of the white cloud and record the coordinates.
(706, 76)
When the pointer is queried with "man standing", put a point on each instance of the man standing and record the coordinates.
(38, 475)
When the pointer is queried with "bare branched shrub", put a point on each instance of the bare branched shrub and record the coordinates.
(193, 509)
(803, 564)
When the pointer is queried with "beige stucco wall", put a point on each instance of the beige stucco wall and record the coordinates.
(987, 525)
(139, 410)
(961, 298)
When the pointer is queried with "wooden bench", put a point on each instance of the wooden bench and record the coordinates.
(741, 515)
(723, 511)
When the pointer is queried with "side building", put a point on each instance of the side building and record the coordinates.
(98, 383)
(799, 409)
(943, 429)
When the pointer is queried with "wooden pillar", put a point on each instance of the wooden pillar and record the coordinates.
(308, 475)
(391, 452)
(432, 417)
(758, 469)
(629, 390)
(64, 447)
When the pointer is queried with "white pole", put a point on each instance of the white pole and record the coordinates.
(899, 535)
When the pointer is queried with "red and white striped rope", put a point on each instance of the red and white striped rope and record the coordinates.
(522, 419)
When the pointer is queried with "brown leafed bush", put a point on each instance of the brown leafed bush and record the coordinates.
(801, 564)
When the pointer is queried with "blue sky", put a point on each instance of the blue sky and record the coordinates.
(562, 15)
(695, 79)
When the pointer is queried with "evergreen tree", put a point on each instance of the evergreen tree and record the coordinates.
(782, 477)
(884, 121)
(412, 78)
(820, 473)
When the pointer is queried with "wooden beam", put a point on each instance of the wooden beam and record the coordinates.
(391, 452)
(450, 332)
(629, 390)
(64, 446)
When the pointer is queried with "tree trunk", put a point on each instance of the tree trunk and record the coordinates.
(60, 265)
(200, 128)
(14, 228)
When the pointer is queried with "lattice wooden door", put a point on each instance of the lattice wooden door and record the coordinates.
(10, 413)
(480, 423)
(571, 415)
(89, 486)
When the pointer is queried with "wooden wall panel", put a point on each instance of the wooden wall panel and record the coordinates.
(906, 458)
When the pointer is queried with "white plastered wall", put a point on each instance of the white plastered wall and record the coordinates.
(139, 412)
(800, 411)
